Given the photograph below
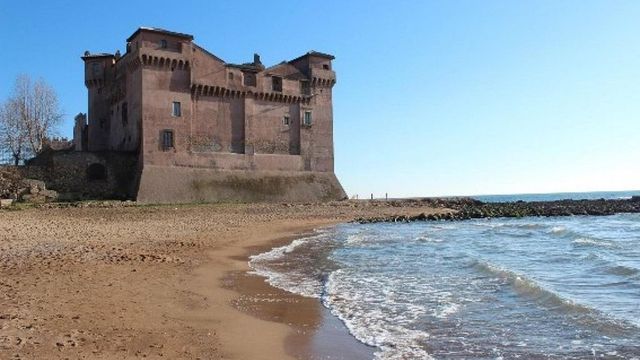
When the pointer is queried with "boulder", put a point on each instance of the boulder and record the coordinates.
(5, 203)
(35, 186)
(49, 195)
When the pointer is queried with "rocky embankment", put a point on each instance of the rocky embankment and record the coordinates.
(467, 208)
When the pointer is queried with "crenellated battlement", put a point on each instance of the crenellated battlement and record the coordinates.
(164, 62)
(199, 90)
(94, 83)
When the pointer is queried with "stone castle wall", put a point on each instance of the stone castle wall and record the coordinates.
(84, 175)
(161, 184)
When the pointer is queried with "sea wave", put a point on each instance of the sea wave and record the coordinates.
(487, 223)
(530, 288)
(295, 280)
(624, 270)
(555, 301)
(425, 238)
(585, 241)
(372, 326)
(578, 238)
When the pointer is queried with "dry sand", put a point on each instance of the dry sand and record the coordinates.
(157, 281)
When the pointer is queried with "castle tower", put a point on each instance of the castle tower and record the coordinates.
(80, 132)
(317, 119)
(97, 76)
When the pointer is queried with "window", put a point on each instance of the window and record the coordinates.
(125, 116)
(325, 66)
(167, 139)
(307, 118)
(276, 83)
(230, 76)
(176, 110)
(95, 68)
(286, 121)
(305, 89)
(249, 79)
(163, 43)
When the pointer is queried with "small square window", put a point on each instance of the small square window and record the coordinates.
(276, 83)
(325, 66)
(176, 110)
(167, 139)
(307, 118)
(286, 121)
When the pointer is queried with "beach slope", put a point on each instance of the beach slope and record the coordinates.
(115, 281)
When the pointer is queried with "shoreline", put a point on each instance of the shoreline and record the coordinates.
(316, 333)
(238, 324)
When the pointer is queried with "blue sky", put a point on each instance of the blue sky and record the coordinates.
(433, 97)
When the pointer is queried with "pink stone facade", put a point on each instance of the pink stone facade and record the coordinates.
(177, 105)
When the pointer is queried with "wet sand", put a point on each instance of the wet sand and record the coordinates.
(317, 334)
(161, 282)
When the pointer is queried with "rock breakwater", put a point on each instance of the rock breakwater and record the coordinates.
(468, 208)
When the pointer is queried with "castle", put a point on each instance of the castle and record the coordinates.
(201, 129)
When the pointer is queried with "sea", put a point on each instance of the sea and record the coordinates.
(527, 288)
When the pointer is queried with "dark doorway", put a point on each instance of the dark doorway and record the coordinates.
(96, 172)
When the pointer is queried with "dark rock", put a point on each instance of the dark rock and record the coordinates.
(465, 208)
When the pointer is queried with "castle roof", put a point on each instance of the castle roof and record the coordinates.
(286, 70)
(251, 67)
(87, 55)
(315, 53)
(207, 52)
(159, 31)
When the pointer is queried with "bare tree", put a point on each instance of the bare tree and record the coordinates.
(13, 135)
(28, 117)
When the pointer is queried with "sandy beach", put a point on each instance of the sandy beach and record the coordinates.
(118, 282)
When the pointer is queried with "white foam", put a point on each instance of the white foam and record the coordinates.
(447, 310)
(356, 239)
(281, 251)
(589, 241)
(425, 238)
(291, 281)
(374, 326)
